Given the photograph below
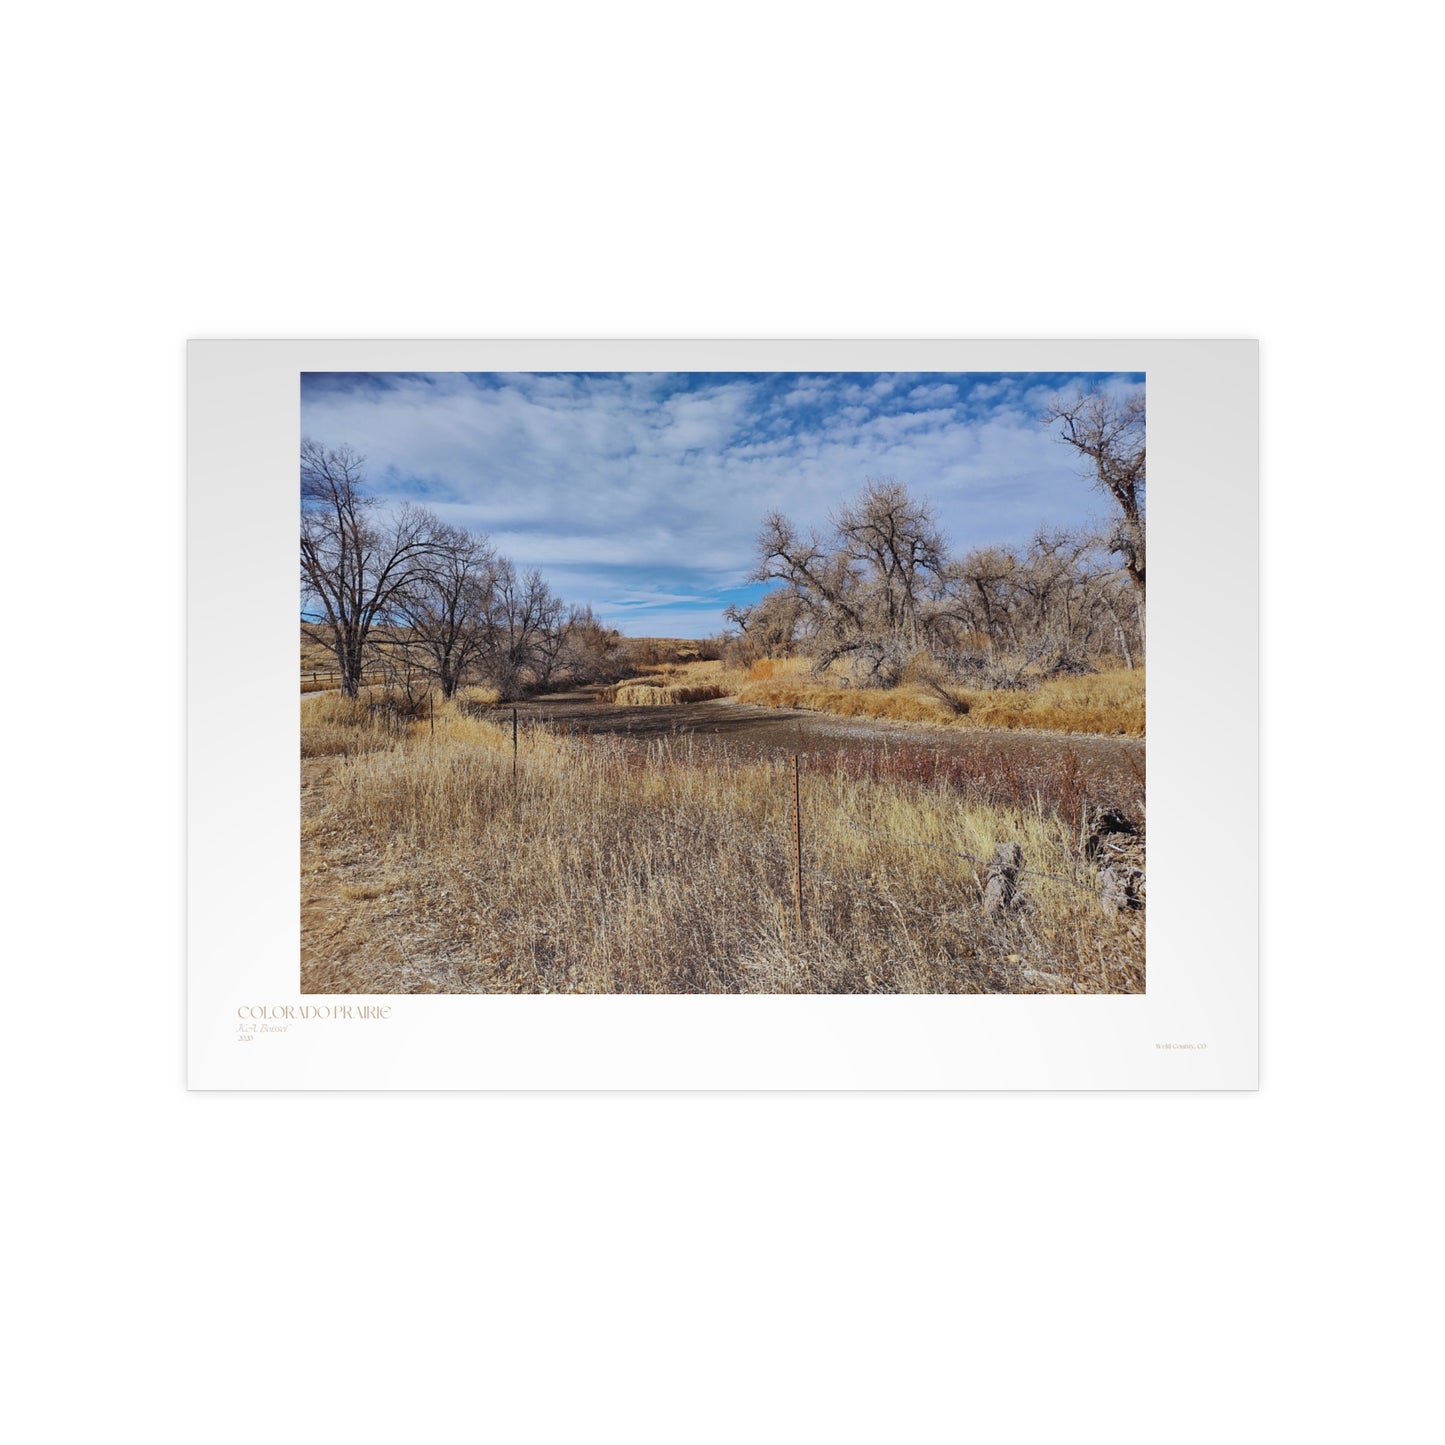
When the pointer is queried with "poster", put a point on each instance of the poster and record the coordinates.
(722, 715)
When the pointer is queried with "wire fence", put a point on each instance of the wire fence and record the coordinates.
(793, 856)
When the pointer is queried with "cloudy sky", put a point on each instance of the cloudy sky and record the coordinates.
(642, 493)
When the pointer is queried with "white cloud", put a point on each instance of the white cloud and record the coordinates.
(942, 393)
(610, 483)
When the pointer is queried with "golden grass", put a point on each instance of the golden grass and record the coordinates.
(618, 869)
(362, 892)
(477, 696)
(316, 655)
(901, 704)
(324, 741)
(333, 708)
(672, 684)
(1105, 702)
(645, 693)
(333, 724)
(769, 669)
(1098, 702)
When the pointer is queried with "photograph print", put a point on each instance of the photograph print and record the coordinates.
(721, 683)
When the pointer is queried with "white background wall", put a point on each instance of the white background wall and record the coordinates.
(997, 1268)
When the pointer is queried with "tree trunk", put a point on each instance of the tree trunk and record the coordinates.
(349, 659)
(1121, 634)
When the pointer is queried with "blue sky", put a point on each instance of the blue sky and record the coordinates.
(642, 492)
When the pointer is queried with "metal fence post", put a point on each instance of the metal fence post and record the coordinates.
(797, 849)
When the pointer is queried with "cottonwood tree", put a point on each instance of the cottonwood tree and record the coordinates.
(1108, 432)
(1055, 606)
(1056, 594)
(356, 565)
(524, 626)
(894, 542)
(447, 606)
(980, 589)
(1126, 620)
(866, 590)
(769, 627)
(881, 593)
(591, 651)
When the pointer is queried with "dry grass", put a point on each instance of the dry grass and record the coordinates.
(643, 692)
(333, 724)
(898, 704)
(477, 697)
(672, 684)
(621, 869)
(1105, 702)
(771, 669)
(1099, 702)
(315, 655)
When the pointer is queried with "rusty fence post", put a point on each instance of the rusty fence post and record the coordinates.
(797, 840)
(514, 752)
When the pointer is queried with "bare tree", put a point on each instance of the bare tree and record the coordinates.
(770, 627)
(1054, 607)
(866, 592)
(523, 630)
(894, 542)
(549, 642)
(980, 587)
(447, 605)
(821, 587)
(1108, 431)
(591, 651)
(1114, 605)
(355, 565)
(882, 594)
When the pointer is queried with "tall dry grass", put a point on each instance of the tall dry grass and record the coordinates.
(614, 868)
(643, 692)
(672, 684)
(1104, 702)
(332, 724)
(773, 669)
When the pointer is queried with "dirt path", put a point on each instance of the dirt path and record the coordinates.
(344, 890)
(1112, 762)
(322, 918)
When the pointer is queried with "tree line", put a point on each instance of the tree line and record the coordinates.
(420, 602)
(880, 593)
(423, 603)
